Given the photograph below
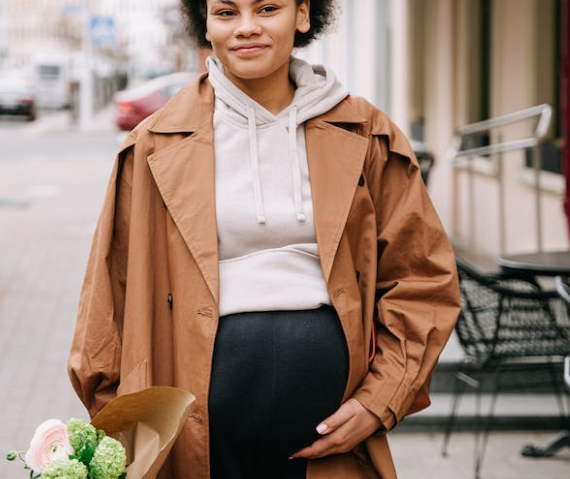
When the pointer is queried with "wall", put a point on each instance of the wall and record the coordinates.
(439, 106)
(518, 67)
(358, 49)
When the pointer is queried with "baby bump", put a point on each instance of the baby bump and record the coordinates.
(275, 376)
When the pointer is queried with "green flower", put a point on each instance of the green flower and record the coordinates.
(100, 435)
(83, 438)
(109, 460)
(62, 469)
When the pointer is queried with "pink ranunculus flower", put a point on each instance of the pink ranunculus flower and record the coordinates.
(50, 442)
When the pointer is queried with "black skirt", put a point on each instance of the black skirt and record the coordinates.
(276, 375)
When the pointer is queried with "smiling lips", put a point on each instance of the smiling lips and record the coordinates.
(249, 48)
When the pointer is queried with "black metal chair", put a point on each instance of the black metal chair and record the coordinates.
(504, 323)
(563, 439)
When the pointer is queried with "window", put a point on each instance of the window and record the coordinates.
(49, 72)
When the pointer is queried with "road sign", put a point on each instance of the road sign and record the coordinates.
(102, 30)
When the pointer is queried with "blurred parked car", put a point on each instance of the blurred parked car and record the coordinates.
(135, 104)
(17, 96)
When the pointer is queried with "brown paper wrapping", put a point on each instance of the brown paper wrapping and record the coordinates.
(147, 423)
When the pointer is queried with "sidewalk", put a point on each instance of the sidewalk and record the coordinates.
(417, 456)
(44, 244)
(61, 122)
(43, 253)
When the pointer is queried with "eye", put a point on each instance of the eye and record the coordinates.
(268, 9)
(224, 13)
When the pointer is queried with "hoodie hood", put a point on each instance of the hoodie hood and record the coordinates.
(317, 92)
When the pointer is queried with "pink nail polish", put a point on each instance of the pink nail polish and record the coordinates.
(322, 428)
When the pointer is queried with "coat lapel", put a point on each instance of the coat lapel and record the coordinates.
(336, 158)
(184, 175)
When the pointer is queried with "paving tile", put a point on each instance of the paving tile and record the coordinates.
(418, 456)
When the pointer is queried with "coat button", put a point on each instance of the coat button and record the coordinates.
(170, 300)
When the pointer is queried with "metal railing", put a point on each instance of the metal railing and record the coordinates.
(462, 139)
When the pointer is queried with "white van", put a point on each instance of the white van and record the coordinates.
(52, 80)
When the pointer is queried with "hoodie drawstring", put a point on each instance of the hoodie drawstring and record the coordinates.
(293, 158)
(295, 165)
(254, 159)
(317, 92)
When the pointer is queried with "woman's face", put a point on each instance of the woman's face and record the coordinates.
(254, 38)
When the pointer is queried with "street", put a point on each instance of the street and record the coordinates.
(52, 182)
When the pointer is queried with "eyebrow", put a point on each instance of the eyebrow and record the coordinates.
(230, 2)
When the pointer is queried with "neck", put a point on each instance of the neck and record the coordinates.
(274, 93)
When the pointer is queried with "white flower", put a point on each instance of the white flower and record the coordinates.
(50, 442)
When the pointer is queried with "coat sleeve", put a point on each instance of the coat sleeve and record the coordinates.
(95, 358)
(417, 292)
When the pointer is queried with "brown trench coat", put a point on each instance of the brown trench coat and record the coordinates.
(148, 309)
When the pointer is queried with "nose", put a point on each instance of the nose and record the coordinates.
(248, 26)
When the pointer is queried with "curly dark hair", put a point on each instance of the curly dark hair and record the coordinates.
(194, 13)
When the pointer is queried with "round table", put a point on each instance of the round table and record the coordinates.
(554, 263)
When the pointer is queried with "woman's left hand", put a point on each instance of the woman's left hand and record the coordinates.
(351, 424)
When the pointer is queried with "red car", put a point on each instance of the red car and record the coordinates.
(135, 104)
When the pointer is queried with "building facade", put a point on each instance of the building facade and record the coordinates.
(144, 31)
(436, 65)
(432, 65)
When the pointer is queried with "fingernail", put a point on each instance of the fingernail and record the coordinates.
(322, 428)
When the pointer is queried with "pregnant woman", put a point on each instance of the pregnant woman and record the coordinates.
(267, 243)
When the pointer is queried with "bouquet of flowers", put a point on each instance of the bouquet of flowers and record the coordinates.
(74, 450)
(129, 438)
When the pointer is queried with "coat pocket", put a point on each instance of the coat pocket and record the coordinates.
(135, 380)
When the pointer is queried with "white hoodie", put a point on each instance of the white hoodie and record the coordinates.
(269, 258)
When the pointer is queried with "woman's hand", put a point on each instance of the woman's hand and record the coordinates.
(347, 427)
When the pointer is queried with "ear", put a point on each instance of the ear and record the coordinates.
(208, 37)
(303, 23)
